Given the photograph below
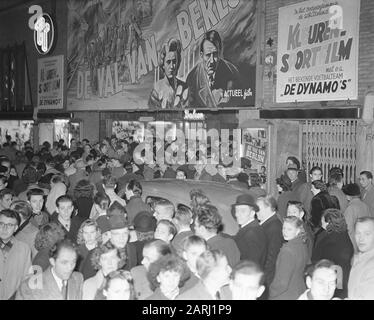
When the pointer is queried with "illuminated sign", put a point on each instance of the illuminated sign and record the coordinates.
(195, 116)
(42, 25)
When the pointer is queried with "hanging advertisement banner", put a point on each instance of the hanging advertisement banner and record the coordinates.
(318, 51)
(51, 82)
(164, 54)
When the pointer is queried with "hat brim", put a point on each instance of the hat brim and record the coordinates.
(252, 205)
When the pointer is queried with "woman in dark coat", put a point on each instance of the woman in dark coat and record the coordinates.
(321, 201)
(334, 244)
(288, 283)
(83, 195)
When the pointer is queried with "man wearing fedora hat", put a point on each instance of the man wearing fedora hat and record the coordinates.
(356, 209)
(119, 237)
(250, 239)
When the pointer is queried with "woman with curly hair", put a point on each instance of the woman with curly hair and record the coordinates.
(288, 282)
(198, 199)
(118, 285)
(48, 235)
(166, 276)
(83, 195)
(334, 244)
(286, 194)
(87, 239)
(106, 259)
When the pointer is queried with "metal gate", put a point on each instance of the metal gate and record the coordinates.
(330, 143)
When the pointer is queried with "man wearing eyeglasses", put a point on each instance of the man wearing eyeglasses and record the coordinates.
(15, 256)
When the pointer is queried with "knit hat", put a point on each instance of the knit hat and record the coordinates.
(103, 224)
(352, 189)
(118, 222)
(144, 222)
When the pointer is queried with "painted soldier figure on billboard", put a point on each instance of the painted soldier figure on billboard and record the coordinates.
(211, 79)
(169, 92)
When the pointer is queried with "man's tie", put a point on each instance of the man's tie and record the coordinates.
(64, 290)
(5, 246)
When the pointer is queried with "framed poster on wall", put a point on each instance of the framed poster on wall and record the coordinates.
(255, 148)
(51, 82)
(318, 51)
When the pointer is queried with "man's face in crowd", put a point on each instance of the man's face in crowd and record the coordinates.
(109, 261)
(364, 236)
(6, 201)
(119, 237)
(191, 255)
(150, 255)
(316, 175)
(210, 57)
(364, 181)
(64, 264)
(293, 211)
(246, 286)
(169, 280)
(36, 202)
(162, 233)
(87, 148)
(242, 214)
(170, 64)
(7, 227)
(65, 209)
(89, 235)
(263, 211)
(323, 284)
(292, 174)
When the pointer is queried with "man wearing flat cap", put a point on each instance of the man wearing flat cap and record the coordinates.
(251, 238)
(356, 209)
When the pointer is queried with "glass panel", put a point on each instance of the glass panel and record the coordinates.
(62, 131)
(18, 131)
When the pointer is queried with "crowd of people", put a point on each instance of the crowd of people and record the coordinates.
(74, 226)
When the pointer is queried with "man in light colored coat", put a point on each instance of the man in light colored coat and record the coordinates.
(356, 209)
(58, 282)
(361, 278)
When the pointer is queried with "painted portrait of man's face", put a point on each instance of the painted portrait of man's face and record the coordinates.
(210, 56)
